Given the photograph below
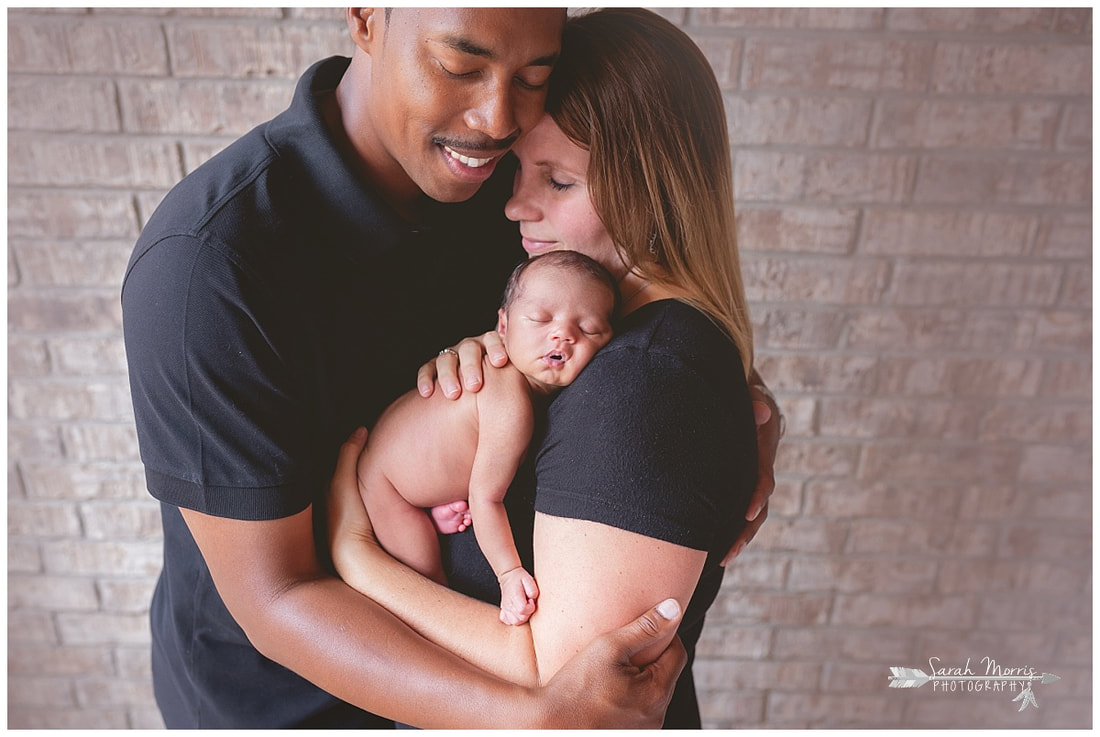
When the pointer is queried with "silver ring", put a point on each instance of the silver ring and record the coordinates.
(445, 351)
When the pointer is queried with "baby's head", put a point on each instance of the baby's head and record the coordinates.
(556, 313)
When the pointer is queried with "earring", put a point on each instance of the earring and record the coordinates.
(653, 242)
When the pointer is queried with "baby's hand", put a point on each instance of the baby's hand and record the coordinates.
(518, 592)
(451, 518)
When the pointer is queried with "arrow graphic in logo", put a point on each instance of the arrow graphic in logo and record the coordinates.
(915, 678)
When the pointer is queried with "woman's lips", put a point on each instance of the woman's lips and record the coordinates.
(533, 245)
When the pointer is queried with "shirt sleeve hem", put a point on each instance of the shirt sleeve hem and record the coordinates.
(236, 502)
(571, 505)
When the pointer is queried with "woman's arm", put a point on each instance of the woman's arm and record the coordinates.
(467, 627)
(592, 577)
(471, 628)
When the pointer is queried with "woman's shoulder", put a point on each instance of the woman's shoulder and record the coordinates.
(670, 332)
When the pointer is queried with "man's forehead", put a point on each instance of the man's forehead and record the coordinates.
(479, 31)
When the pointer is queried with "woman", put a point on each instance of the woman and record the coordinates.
(649, 458)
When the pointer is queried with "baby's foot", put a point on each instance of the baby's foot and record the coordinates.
(451, 518)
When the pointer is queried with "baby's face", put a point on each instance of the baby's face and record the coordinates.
(556, 324)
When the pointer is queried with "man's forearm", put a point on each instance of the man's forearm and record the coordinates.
(315, 625)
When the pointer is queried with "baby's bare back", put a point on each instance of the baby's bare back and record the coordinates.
(424, 447)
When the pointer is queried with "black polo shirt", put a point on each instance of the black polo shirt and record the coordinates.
(272, 304)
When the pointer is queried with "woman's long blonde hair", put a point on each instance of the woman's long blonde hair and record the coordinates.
(638, 94)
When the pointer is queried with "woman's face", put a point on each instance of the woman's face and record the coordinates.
(550, 198)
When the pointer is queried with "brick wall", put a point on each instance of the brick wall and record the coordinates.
(915, 211)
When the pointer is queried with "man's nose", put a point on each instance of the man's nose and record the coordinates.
(493, 113)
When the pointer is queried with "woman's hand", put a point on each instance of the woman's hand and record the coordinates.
(460, 367)
(769, 429)
(351, 537)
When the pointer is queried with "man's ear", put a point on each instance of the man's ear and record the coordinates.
(502, 322)
(364, 25)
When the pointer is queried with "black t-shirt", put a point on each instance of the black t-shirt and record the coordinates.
(273, 303)
(656, 436)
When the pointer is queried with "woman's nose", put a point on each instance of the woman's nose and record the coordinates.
(520, 207)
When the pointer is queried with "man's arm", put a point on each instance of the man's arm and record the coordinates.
(268, 576)
(350, 646)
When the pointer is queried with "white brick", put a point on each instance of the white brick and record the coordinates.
(125, 558)
(103, 628)
(56, 593)
(68, 264)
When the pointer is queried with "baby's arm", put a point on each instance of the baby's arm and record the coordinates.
(505, 424)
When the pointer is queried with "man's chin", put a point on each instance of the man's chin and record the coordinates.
(452, 191)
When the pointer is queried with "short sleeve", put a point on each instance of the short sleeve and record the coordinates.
(643, 443)
(209, 349)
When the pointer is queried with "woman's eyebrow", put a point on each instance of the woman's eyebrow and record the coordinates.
(466, 46)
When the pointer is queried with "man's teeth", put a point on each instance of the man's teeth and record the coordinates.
(467, 160)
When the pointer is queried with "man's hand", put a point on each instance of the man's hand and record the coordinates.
(460, 367)
(769, 429)
(599, 688)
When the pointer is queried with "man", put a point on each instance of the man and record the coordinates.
(283, 294)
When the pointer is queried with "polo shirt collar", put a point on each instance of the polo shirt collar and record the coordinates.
(352, 207)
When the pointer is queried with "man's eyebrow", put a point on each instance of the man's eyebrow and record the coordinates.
(466, 46)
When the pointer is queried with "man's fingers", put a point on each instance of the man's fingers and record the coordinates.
(659, 623)
(765, 486)
(746, 536)
(761, 412)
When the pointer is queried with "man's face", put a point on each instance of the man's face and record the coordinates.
(452, 90)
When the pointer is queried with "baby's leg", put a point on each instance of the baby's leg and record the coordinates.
(404, 531)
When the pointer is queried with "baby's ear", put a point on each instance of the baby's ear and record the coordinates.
(502, 322)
